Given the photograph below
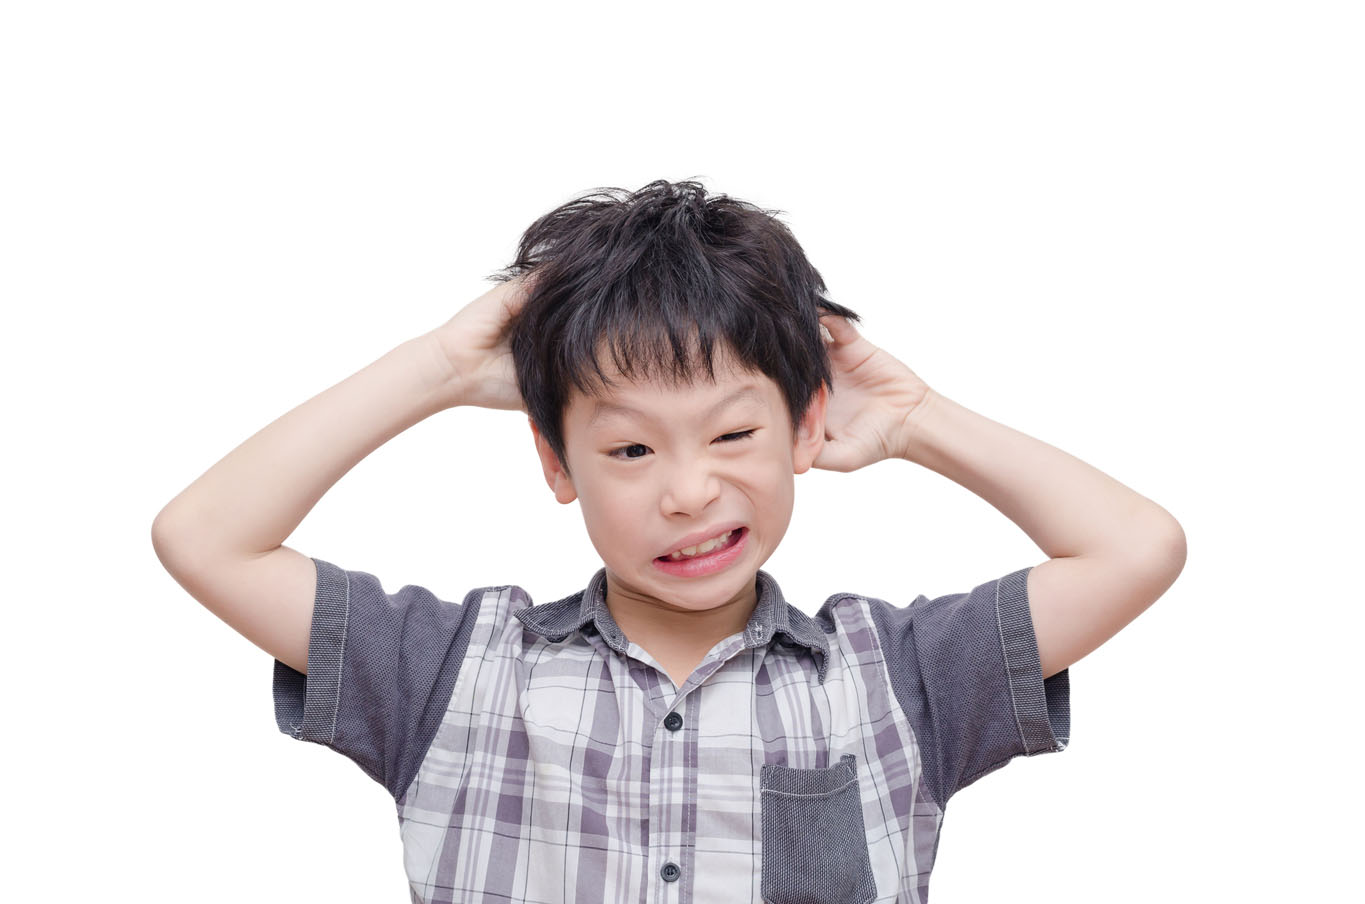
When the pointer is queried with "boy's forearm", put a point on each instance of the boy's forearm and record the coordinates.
(1065, 506)
(254, 498)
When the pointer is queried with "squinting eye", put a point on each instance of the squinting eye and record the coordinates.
(728, 438)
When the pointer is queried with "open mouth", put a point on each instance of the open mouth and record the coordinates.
(727, 542)
(731, 549)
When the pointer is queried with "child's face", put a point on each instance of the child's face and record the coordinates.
(648, 482)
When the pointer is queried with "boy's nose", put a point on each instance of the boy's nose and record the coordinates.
(689, 490)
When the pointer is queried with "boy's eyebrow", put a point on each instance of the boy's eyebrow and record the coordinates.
(603, 410)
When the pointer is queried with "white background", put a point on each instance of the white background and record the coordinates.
(1131, 230)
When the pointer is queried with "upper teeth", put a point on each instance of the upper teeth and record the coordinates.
(701, 548)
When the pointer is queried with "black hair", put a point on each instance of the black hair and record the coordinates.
(653, 277)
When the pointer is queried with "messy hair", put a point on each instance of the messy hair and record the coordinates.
(655, 278)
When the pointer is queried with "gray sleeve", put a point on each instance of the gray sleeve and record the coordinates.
(381, 669)
(965, 670)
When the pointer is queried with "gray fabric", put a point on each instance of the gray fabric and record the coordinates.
(536, 753)
(402, 654)
(965, 669)
(814, 843)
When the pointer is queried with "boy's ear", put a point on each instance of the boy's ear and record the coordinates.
(555, 475)
(809, 438)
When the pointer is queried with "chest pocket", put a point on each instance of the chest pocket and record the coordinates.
(814, 844)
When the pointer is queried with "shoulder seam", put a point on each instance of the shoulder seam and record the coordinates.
(471, 607)
(932, 783)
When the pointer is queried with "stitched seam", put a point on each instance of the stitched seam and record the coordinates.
(1009, 669)
(341, 661)
(475, 597)
(814, 794)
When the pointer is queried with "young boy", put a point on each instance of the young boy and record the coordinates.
(677, 730)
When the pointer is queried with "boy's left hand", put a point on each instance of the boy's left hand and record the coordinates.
(871, 402)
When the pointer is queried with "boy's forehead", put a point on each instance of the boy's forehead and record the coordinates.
(652, 395)
(624, 396)
(616, 387)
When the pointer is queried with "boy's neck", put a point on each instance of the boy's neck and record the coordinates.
(665, 629)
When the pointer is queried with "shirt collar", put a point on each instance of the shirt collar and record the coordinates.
(773, 618)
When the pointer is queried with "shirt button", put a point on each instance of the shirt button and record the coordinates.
(673, 721)
(670, 872)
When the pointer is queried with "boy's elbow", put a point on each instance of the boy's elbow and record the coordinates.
(1162, 548)
(1175, 549)
(163, 534)
(171, 542)
(159, 532)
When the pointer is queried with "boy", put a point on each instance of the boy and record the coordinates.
(676, 731)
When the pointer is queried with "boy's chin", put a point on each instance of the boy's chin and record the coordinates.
(656, 582)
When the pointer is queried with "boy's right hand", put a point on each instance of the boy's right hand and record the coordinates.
(474, 345)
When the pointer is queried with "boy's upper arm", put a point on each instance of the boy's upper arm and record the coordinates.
(267, 598)
(966, 671)
(380, 671)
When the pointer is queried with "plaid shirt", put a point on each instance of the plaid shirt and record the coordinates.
(536, 754)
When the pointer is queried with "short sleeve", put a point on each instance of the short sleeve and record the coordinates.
(381, 669)
(966, 671)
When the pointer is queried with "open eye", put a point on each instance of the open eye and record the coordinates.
(614, 452)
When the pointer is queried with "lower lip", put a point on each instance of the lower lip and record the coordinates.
(716, 560)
